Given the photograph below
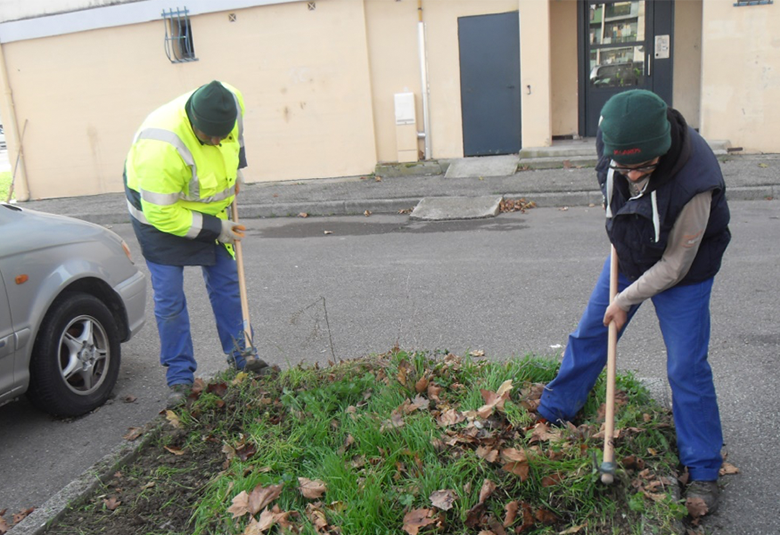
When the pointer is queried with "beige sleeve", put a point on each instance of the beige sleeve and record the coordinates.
(684, 241)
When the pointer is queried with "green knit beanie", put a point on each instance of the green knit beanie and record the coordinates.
(634, 127)
(213, 109)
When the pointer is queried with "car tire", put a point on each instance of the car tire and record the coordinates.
(76, 357)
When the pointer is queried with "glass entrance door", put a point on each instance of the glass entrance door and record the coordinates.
(616, 45)
(619, 52)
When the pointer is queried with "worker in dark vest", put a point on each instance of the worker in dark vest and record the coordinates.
(667, 217)
(181, 176)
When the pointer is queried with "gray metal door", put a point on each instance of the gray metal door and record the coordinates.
(490, 83)
(626, 45)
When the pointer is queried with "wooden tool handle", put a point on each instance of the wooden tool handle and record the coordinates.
(609, 422)
(247, 326)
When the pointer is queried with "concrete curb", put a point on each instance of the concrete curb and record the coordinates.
(406, 204)
(79, 489)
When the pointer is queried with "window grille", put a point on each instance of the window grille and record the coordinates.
(179, 46)
(741, 3)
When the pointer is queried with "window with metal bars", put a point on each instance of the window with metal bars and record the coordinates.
(179, 46)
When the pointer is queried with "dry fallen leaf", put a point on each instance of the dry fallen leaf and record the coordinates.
(520, 469)
(494, 399)
(240, 505)
(546, 516)
(421, 385)
(416, 519)
(244, 503)
(262, 496)
(254, 527)
(728, 469)
(488, 487)
(111, 503)
(396, 421)
(311, 489)
(326, 232)
(172, 418)
(511, 512)
(21, 515)
(487, 453)
(528, 519)
(367, 213)
(133, 433)
(239, 378)
(317, 517)
(175, 451)
(696, 507)
(450, 417)
(513, 455)
(443, 499)
(303, 214)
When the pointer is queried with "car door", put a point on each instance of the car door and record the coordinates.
(7, 343)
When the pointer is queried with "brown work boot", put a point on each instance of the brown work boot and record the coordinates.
(698, 492)
(178, 395)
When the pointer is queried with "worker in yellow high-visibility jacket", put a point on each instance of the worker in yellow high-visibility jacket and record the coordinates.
(181, 175)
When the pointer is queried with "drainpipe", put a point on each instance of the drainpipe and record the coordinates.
(426, 133)
(11, 125)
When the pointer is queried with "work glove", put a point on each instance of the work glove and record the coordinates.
(231, 232)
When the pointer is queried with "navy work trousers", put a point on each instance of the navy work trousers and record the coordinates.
(684, 317)
(173, 320)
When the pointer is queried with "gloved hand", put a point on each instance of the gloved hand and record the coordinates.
(231, 232)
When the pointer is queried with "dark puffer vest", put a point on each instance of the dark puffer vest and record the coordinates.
(639, 227)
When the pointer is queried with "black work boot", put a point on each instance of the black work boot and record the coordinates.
(706, 491)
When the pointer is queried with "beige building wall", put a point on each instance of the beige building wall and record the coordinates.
(741, 75)
(535, 73)
(564, 67)
(302, 72)
(686, 94)
(319, 80)
(391, 28)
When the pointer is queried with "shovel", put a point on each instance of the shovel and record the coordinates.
(608, 461)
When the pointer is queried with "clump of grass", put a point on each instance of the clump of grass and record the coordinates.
(5, 184)
(374, 433)
(401, 443)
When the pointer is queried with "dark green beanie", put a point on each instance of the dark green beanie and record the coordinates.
(634, 127)
(213, 109)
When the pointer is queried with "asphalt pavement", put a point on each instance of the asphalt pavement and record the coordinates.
(748, 177)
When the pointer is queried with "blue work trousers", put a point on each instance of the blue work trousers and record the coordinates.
(684, 316)
(173, 320)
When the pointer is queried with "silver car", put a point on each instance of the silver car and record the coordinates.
(69, 296)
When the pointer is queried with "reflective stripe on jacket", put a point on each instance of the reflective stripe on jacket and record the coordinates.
(178, 189)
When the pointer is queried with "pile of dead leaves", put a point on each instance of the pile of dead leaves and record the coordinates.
(515, 205)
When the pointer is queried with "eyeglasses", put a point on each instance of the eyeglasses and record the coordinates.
(625, 170)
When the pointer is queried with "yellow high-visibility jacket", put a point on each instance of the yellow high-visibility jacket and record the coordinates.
(178, 189)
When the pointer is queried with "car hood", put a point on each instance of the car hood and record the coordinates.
(23, 230)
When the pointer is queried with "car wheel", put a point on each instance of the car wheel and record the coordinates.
(76, 357)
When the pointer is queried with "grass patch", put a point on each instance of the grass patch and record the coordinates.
(5, 184)
(392, 444)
